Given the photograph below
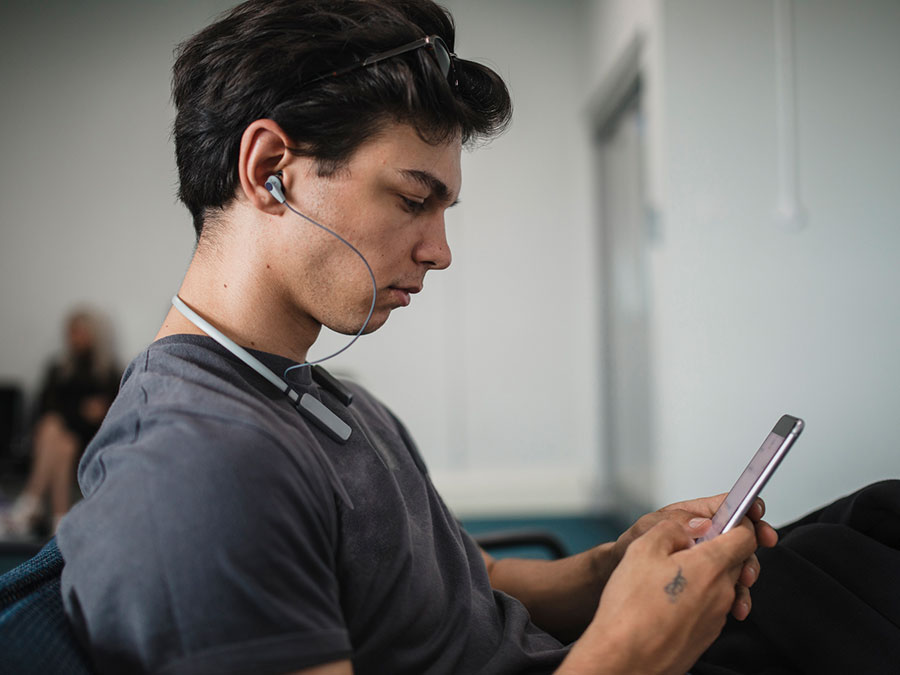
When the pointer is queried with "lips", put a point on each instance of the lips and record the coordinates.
(401, 294)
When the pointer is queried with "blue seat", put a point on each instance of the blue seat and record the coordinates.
(35, 636)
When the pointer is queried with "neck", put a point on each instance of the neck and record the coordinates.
(231, 286)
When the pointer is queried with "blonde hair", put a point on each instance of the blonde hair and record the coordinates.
(103, 359)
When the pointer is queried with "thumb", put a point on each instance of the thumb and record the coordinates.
(733, 547)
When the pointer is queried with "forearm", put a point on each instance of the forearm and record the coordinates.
(599, 653)
(561, 595)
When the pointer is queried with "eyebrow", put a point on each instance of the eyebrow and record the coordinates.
(438, 188)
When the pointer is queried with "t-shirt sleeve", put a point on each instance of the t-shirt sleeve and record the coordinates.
(216, 557)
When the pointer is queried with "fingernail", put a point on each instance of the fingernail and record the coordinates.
(696, 522)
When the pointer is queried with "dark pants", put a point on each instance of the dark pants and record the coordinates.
(828, 598)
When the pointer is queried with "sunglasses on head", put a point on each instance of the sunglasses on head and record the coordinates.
(433, 43)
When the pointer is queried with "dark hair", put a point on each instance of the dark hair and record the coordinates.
(262, 60)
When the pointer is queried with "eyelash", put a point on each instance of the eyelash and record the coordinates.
(411, 205)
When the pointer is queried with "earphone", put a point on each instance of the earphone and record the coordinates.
(273, 185)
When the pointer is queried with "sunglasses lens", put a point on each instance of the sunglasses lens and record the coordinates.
(442, 56)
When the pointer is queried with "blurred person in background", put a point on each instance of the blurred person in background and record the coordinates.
(77, 390)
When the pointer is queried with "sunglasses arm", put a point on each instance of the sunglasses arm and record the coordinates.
(412, 46)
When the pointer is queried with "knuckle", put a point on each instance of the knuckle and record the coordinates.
(638, 546)
(671, 526)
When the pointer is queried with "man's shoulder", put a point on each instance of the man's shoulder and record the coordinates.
(186, 365)
(190, 377)
(193, 443)
(185, 404)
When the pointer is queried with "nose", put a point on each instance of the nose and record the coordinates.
(433, 249)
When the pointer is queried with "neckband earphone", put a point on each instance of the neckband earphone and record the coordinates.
(308, 405)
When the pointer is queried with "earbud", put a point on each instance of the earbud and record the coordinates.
(273, 185)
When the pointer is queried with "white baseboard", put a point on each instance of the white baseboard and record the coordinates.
(503, 493)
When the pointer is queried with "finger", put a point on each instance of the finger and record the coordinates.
(757, 510)
(666, 537)
(673, 513)
(749, 572)
(766, 535)
(695, 526)
(731, 549)
(742, 605)
(704, 506)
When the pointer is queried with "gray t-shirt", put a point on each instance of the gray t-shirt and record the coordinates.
(221, 532)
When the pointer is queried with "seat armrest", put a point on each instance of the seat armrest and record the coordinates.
(520, 538)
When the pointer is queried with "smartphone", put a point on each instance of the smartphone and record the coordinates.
(741, 497)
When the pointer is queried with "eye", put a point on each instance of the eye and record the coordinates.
(412, 205)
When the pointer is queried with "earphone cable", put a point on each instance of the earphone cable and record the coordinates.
(374, 292)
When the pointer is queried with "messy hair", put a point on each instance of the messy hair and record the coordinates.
(266, 58)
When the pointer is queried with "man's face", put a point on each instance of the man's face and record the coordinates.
(389, 202)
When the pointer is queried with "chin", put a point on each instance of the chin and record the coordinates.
(377, 321)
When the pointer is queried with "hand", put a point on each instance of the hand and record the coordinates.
(705, 507)
(665, 603)
(93, 409)
(766, 536)
(694, 515)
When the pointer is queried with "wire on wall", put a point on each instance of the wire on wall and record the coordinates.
(790, 213)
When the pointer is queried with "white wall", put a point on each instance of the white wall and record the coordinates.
(756, 320)
(495, 366)
(492, 367)
(751, 319)
(87, 178)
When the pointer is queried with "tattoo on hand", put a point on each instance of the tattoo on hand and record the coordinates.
(675, 587)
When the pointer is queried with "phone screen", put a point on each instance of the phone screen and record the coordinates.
(747, 488)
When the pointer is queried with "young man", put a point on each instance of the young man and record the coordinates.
(243, 514)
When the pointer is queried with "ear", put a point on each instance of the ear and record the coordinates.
(264, 150)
